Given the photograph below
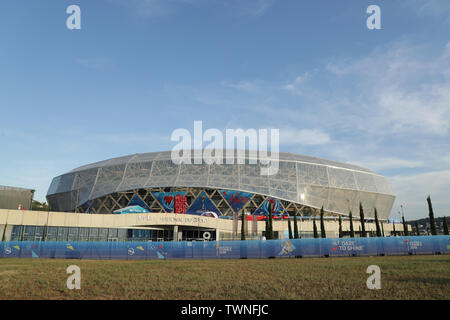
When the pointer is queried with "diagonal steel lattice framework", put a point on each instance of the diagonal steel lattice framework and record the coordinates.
(303, 184)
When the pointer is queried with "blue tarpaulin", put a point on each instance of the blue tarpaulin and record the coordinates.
(227, 249)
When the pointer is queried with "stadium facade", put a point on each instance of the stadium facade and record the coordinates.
(88, 203)
(301, 186)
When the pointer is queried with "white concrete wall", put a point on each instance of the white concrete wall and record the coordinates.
(148, 220)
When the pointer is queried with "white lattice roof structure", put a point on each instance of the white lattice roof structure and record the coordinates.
(308, 181)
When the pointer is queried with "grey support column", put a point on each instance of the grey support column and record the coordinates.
(175, 233)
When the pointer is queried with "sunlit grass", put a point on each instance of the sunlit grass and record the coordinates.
(407, 277)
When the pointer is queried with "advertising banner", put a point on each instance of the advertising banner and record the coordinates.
(227, 249)
(202, 205)
(167, 199)
(137, 201)
(277, 208)
(236, 199)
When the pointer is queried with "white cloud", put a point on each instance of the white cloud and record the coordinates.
(412, 191)
(427, 109)
(434, 8)
(402, 89)
(291, 136)
(385, 163)
(297, 86)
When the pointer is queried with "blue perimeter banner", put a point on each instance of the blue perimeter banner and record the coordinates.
(227, 249)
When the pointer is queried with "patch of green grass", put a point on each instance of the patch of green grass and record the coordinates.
(403, 277)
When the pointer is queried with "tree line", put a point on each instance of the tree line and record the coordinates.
(294, 233)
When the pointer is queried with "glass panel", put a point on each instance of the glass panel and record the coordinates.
(72, 234)
(136, 175)
(16, 233)
(122, 234)
(66, 182)
(340, 178)
(83, 234)
(108, 180)
(312, 174)
(62, 233)
(28, 233)
(341, 200)
(103, 234)
(365, 182)
(112, 233)
(52, 234)
(93, 234)
(84, 182)
(164, 168)
(315, 196)
(383, 185)
(38, 236)
(191, 181)
(53, 185)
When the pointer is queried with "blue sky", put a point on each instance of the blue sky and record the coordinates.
(138, 69)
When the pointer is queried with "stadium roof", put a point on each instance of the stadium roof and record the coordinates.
(314, 182)
(166, 155)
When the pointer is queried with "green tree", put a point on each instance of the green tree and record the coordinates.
(270, 222)
(405, 227)
(417, 229)
(341, 234)
(242, 226)
(296, 235)
(377, 223)
(322, 224)
(44, 234)
(316, 235)
(4, 233)
(431, 213)
(352, 231)
(445, 226)
(39, 206)
(289, 228)
(267, 227)
(361, 217)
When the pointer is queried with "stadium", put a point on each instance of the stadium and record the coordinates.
(302, 185)
(135, 198)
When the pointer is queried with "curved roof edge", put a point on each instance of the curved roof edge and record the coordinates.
(166, 155)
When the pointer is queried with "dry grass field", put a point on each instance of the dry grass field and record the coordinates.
(403, 277)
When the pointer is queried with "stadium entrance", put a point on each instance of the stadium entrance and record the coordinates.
(198, 235)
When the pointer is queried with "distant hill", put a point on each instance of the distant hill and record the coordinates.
(424, 225)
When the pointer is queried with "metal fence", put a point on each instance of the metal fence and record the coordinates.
(227, 249)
